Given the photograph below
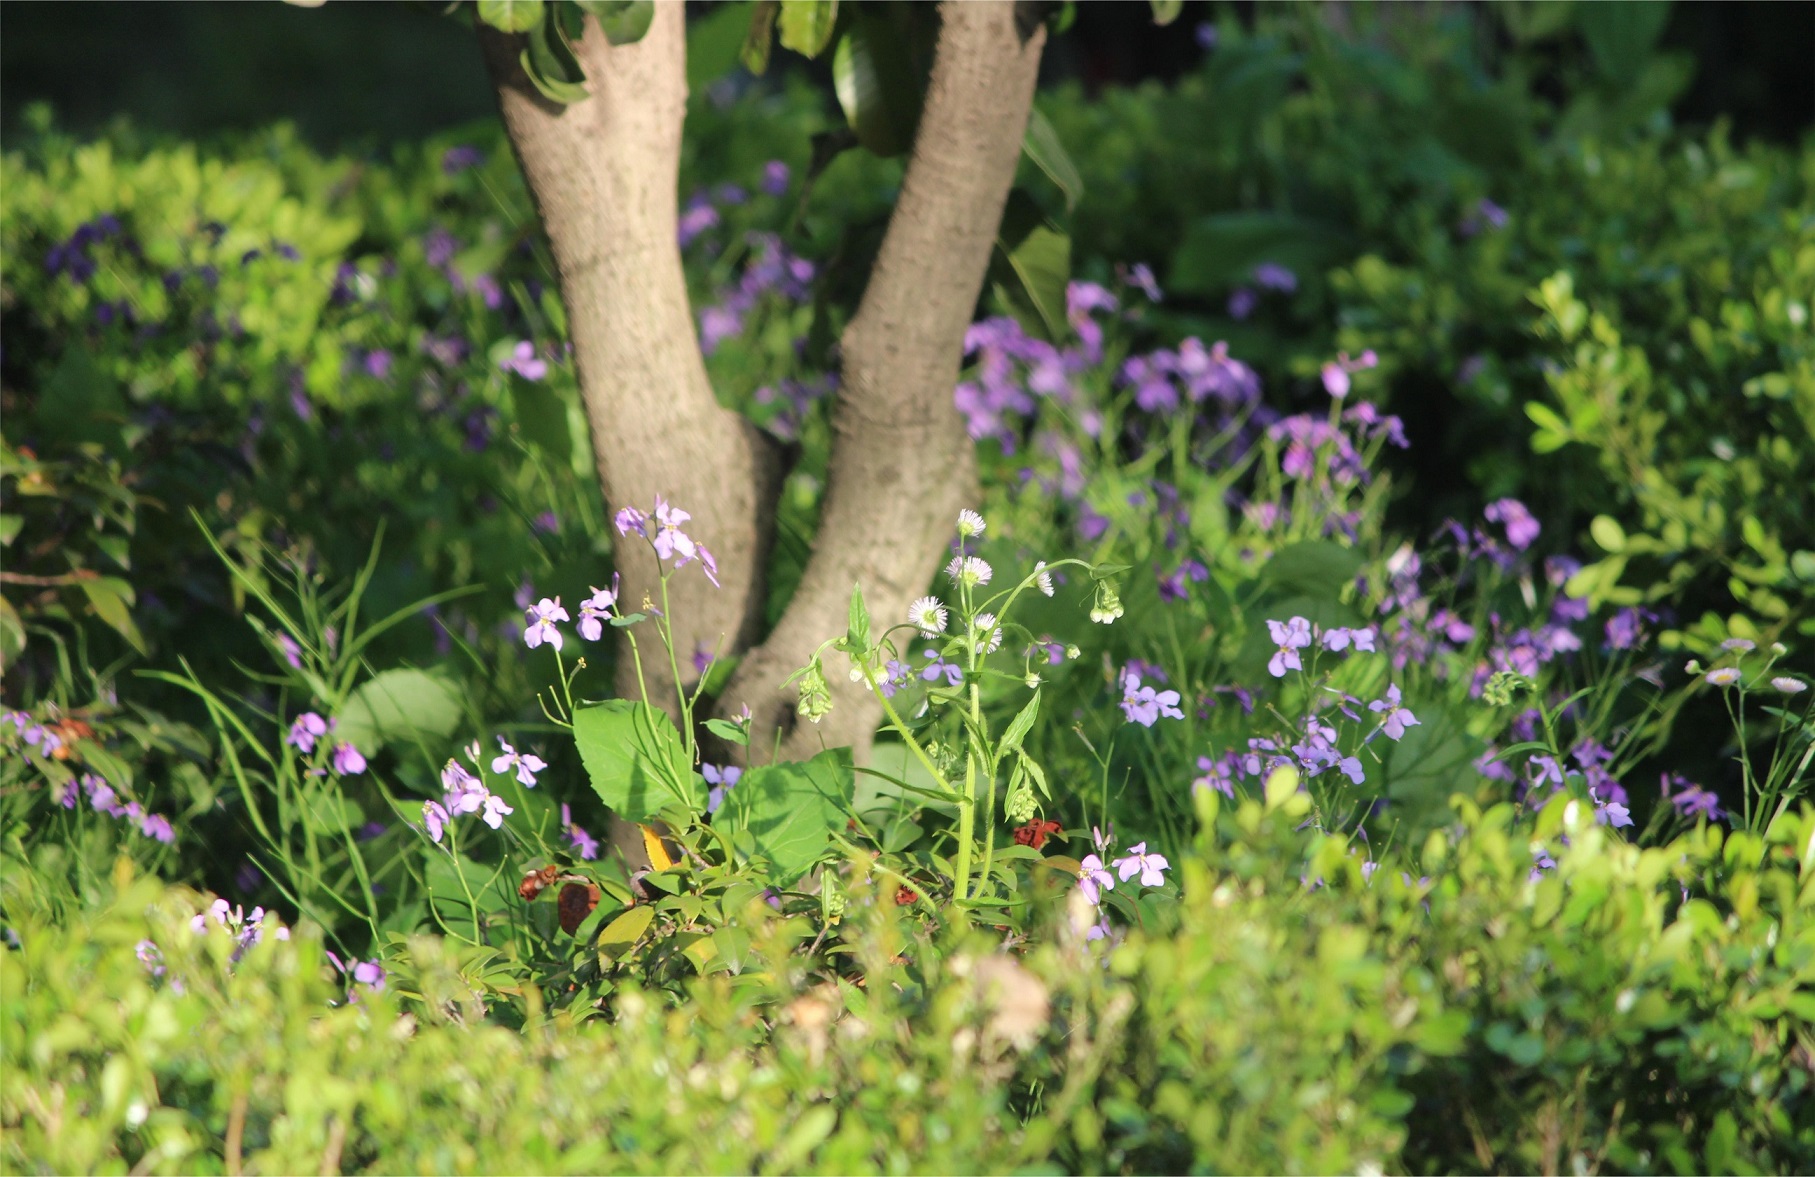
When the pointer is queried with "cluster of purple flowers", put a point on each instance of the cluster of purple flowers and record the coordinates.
(103, 799)
(466, 793)
(72, 258)
(309, 728)
(1144, 705)
(1297, 633)
(246, 930)
(662, 529)
(1094, 875)
(33, 733)
(772, 269)
(439, 249)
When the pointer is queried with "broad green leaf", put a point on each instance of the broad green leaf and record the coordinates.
(790, 810)
(1043, 147)
(9, 528)
(714, 41)
(1019, 727)
(111, 599)
(636, 760)
(542, 418)
(1166, 11)
(1282, 785)
(878, 86)
(1313, 568)
(1607, 532)
(621, 934)
(550, 63)
(404, 705)
(756, 46)
(806, 25)
(624, 22)
(1038, 266)
(725, 730)
(512, 16)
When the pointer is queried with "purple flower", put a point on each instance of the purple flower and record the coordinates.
(698, 218)
(1217, 774)
(1150, 867)
(459, 158)
(1521, 528)
(938, 667)
(1340, 639)
(1611, 813)
(721, 779)
(378, 364)
(1688, 798)
(1273, 276)
(1397, 718)
(156, 826)
(597, 609)
(584, 844)
(1140, 276)
(435, 818)
(775, 177)
(1144, 706)
(1242, 302)
(543, 616)
(526, 764)
(292, 653)
(1094, 878)
(495, 810)
(308, 728)
(1290, 637)
(348, 761)
(523, 361)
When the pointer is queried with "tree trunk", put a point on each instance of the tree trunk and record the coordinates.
(902, 465)
(604, 173)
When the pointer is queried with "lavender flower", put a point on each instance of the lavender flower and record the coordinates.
(348, 761)
(436, 819)
(596, 610)
(1521, 527)
(721, 778)
(1094, 878)
(1150, 867)
(1290, 637)
(1397, 718)
(526, 764)
(584, 844)
(937, 667)
(542, 616)
(1144, 706)
(308, 728)
(775, 177)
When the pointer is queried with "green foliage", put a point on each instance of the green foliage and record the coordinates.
(1604, 1016)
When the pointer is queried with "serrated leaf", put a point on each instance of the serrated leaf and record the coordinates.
(790, 810)
(806, 25)
(635, 759)
(857, 625)
(511, 16)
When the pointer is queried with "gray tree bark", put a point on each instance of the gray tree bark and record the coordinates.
(902, 465)
(604, 175)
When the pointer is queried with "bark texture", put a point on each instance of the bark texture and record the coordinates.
(604, 173)
(902, 465)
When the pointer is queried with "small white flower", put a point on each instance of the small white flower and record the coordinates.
(1743, 645)
(1726, 676)
(1043, 578)
(927, 615)
(971, 570)
(1788, 685)
(986, 624)
(970, 524)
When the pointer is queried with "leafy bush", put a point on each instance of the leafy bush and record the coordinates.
(1637, 1009)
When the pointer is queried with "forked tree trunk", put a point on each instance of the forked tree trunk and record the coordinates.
(604, 175)
(902, 465)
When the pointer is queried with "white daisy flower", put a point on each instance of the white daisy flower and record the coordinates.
(1043, 578)
(986, 624)
(927, 615)
(970, 524)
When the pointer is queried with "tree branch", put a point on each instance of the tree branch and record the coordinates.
(902, 465)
